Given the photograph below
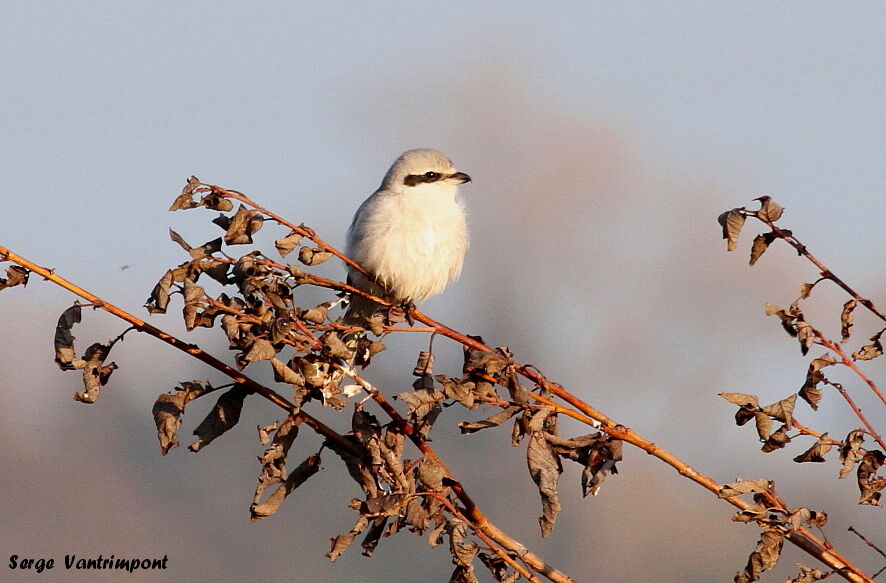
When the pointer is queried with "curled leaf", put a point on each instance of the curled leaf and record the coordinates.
(846, 319)
(732, 221)
(224, 415)
(168, 409)
(770, 211)
(817, 452)
(64, 340)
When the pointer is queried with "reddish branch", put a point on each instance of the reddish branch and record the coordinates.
(826, 273)
(800, 537)
(476, 518)
(851, 364)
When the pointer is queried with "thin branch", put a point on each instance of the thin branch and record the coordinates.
(826, 273)
(476, 517)
(835, 346)
(805, 541)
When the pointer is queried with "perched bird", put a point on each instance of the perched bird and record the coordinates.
(410, 235)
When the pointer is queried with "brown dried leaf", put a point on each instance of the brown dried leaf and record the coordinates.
(186, 199)
(545, 469)
(817, 451)
(807, 575)
(341, 543)
(490, 363)
(764, 558)
(805, 335)
(787, 320)
(299, 476)
(761, 243)
(334, 345)
(224, 415)
(770, 211)
(850, 451)
(732, 222)
(493, 420)
(869, 483)
(95, 372)
(810, 391)
(744, 487)
(285, 374)
(462, 550)
(15, 275)
(740, 399)
(424, 407)
(240, 228)
(317, 314)
(168, 409)
(260, 349)
(193, 295)
(782, 410)
(313, 255)
(776, 440)
(287, 244)
(764, 425)
(64, 340)
(159, 297)
(872, 350)
(846, 319)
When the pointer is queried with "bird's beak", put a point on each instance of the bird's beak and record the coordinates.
(459, 177)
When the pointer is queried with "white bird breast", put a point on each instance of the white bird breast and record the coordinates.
(414, 241)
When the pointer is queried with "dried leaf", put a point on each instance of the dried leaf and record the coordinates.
(489, 363)
(805, 335)
(807, 575)
(260, 349)
(744, 487)
(770, 211)
(545, 469)
(493, 420)
(95, 372)
(15, 275)
(872, 350)
(285, 374)
(313, 255)
(846, 319)
(868, 482)
(287, 244)
(850, 451)
(168, 409)
(761, 243)
(317, 314)
(242, 226)
(64, 340)
(776, 440)
(817, 451)
(424, 407)
(810, 391)
(787, 320)
(186, 199)
(341, 543)
(159, 298)
(224, 415)
(764, 558)
(764, 425)
(299, 476)
(782, 410)
(732, 221)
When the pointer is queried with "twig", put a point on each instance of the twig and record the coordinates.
(801, 538)
(826, 273)
(850, 363)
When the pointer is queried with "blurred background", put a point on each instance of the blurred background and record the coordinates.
(603, 140)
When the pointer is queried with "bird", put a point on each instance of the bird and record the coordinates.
(410, 235)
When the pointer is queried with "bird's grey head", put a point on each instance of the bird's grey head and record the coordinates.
(423, 166)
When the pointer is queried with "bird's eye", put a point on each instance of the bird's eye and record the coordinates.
(431, 176)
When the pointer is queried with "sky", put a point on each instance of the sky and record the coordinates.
(603, 140)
